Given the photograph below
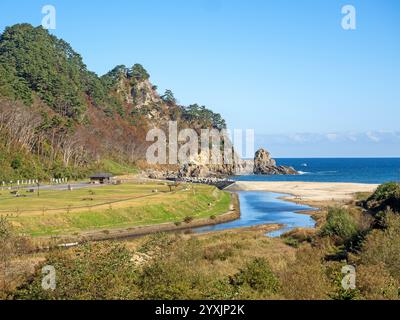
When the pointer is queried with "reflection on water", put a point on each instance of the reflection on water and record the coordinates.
(266, 208)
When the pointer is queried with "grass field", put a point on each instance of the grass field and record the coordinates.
(113, 206)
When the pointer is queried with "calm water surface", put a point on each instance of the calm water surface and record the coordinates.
(266, 207)
(258, 207)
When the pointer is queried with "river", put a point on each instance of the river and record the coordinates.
(259, 207)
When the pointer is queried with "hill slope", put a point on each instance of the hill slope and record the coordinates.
(58, 119)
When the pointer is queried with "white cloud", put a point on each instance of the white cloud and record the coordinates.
(332, 136)
(373, 136)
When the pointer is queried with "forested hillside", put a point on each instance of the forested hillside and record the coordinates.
(57, 118)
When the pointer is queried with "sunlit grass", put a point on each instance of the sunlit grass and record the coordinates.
(121, 206)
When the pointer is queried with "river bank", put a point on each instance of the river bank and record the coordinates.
(139, 231)
(314, 194)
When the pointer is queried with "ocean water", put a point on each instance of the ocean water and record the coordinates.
(267, 208)
(360, 170)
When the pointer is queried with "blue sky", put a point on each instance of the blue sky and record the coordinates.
(284, 68)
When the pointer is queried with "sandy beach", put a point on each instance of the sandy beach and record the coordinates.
(308, 192)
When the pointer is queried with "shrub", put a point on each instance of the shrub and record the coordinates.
(292, 242)
(386, 195)
(188, 219)
(336, 276)
(165, 280)
(155, 242)
(381, 218)
(13, 269)
(16, 164)
(375, 283)
(339, 224)
(92, 271)
(386, 191)
(305, 278)
(218, 252)
(258, 276)
(383, 246)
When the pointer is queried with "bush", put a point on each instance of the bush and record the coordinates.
(386, 191)
(305, 278)
(16, 163)
(13, 268)
(258, 276)
(92, 271)
(339, 224)
(163, 280)
(382, 217)
(375, 283)
(188, 219)
(219, 252)
(292, 242)
(386, 195)
(383, 247)
(336, 276)
(156, 242)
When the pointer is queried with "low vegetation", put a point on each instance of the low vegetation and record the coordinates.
(230, 265)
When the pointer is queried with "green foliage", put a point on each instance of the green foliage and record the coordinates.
(203, 116)
(386, 195)
(258, 276)
(138, 73)
(114, 167)
(220, 252)
(34, 62)
(290, 241)
(98, 90)
(162, 280)
(44, 72)
(5, 229)
(111, 78)
(169, 97)
(92, 271)
(340, 224)
(386, 191)
(12, 86)
(335, 274)
(158, 240)
(383, 246)
(16, 163)
(48, 65)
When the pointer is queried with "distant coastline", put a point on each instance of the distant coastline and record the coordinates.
(349, 170)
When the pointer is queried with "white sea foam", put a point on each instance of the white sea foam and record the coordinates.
(303, 172)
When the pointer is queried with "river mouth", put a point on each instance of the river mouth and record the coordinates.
(260, 208)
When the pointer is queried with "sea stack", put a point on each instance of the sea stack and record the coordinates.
(264, 164)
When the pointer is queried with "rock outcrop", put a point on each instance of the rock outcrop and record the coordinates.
(195, 169)
(264, 164)
(244, 167)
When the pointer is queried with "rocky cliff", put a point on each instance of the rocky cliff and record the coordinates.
(264, 164)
